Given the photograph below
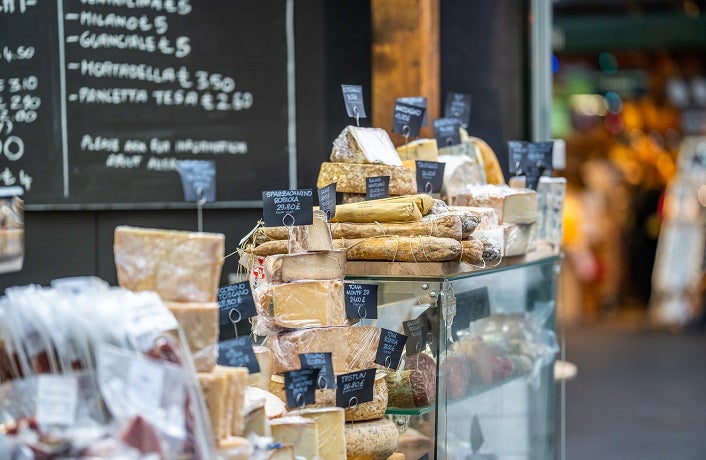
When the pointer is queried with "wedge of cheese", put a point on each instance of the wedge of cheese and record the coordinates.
(307, 304)
(372, 440)
(286, 268)
(350, 178)
(329, 421)
(351, 348)
(264, 360)
(215, 392)
(519, 239)
(419, 149)
(180, 266)
(237, 378)
(364, 145)
(199, 321)
(512, 205)
(300, 432)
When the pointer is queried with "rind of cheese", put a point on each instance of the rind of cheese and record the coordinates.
(199, 321)
(392, 209)
(274, 406)
(300, 432)
(215, 389)
(180, 266)
(264, 359)
(352, 348)
(329, 421)
(285, 268)
(364, 145)
(370, 410)
(235, 398)
(314, 237)
(307, 304)
(372, 440)
(419, 149)
(257, 422)
(515, 206)
(519, 239)
(350, 178)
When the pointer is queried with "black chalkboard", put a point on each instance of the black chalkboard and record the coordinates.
(97, 103)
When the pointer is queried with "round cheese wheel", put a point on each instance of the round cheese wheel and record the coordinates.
(372, 440)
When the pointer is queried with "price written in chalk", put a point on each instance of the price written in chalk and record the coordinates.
(430, 176)
(324, 363)
(377, 187)
(235, 303)
(238, 352)
(355, 388)
(300, 387)
(390, 348)
(288, 207)
(361, 301)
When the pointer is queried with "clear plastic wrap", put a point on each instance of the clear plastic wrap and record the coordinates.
(438, 225)
(414, 384)
(12, 245)
(364, 145)
(180, 266)
(199, 322)
(286, 268)
(519, 239)
(512, 205)
(460, 171)
(402, 248)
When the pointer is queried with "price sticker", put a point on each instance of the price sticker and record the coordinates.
(323, 362)
(390, 346)
(377, 187)
(300, 387)
(407, 119)
(198, 180)
(417, 101)
(355, 388)
(430, 176)
(361, 301)
(235, 303)
(470, 306)
(327, 200)
(458, 105)
(447, 131)
(57, 399)
(353, 98)
(238, 352)
(288, 207)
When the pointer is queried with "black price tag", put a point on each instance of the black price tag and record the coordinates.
(416, 336)
(355, 388)
(300, 387)
(288, 207)
(458, 105)
(238, 353)
(377, 187)
(530, 159)
(235, 303)
(323, 362)
(470, 306)
(424, 457)
(327, 200)
(417, 101)
(430, 176)
(390, 348)
(407, 119)
(353, 98)
(477, 437)
(446, 131)
(361, 301)
(198, 179)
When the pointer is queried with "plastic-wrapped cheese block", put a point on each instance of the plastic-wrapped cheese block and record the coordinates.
(402, 248)
(551, 192)
(199, 321)
(351, 348)
(179, 266)
(264, 360)
(215, 390)
(377, 211)
(274, 407)
(235, 396)
(415, 384)
(419, 149)
(488, 218)
(372, 440)
(519, 239)
(299, 432)
(512, 205)
(329, 421)
(314, 237)
(350, 178)
(285, 268)
(364, 145)
(460, 171)
(443, 226)
(306, 304)
(370, 410)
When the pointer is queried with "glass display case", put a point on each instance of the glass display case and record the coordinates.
(490, 332)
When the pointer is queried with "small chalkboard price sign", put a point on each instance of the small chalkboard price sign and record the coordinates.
(198, 179)
(446, 131)
(361, 301)
(355, 388)
(288, 207)
(430, 176)
(377, 187)
(407, 119)
(390, 348)
(235, 303)
(327, 200)
(324, 363)
(417, 101)
(300, 387)
(238, 352)
(353, 98)
(458, 105)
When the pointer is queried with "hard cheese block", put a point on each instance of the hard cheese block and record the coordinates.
(419, 149)
(373, 440)
(299, 432)
(551, 193)
(179, 266)
(315, 237)
(215, 391)
(264, 360)
(352, 348)
(329, 421)
(324, 398)
(199, 321)
(513, 206)
(306, 304)
(285, 268)
(234, 448)
(235, 397)
(364, 145)
(488, 218)
(350, 178)
(519, 239)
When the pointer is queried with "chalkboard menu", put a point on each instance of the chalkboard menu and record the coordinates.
(99, 99)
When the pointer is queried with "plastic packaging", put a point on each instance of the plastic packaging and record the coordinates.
(414, 384)
(364, 145)
(12, 245)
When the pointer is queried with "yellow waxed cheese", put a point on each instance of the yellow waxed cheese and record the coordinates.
(419, 149)
(199, 321)
(300, 432)
(237, 384)
(179, 266)
(215, 388)
(308, 304)
(373, 440)
(329, 421)
(285, 268)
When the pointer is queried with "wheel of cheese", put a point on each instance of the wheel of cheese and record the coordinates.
(370, 410)
(372, 440)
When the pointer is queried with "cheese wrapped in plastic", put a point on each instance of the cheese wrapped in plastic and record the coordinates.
(352, 348)
(350, 178)
(180, 266)
(199, 321)
(286, 268)
(413, 385)
(488, 218)
(519, 239)
(402, 248)
(512, 205)
(443, 226)
(364, 145)
(378, 211)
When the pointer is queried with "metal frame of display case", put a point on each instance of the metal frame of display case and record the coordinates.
(510, 419)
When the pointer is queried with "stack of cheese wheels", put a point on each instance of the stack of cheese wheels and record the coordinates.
(359, 153)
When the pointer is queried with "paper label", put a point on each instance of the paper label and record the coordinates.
(238, 352)
(390, 348)
(300, 387)
(235, 303)
(407, 119)
(327, 200)
(430, 176)
(57, 399)
(458, 105)
(446, 131)
(355, 388)
(361, 301)
(145, 383)
(323, 362)
(353, 98)
(288, 207)
(377, 187)
(198, 179)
